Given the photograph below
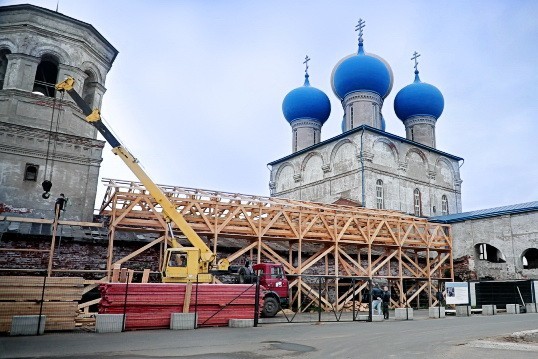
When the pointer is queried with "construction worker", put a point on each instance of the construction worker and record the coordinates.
(386, 302)
(60, 205)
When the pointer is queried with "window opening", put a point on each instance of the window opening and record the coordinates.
(276, 272)
(444, 205)
(417, 203)
(379, 194)
(489, 253)
(530, 258)
(46, 77)
(30, 172)
(3, 67)
(351, 117)
(88, 90)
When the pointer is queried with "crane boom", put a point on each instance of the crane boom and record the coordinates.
(205, 256)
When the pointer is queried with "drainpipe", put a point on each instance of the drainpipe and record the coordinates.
(455, 192)
(362, 171)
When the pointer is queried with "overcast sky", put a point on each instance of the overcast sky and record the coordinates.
(197, 88)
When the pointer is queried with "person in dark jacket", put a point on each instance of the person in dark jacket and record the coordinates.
(60, 205)
(377, 295)
(386, 302)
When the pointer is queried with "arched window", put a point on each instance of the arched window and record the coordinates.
(46, 76)
(351, 117)
(444, 205)
(3, 66)
(379, 194)
(417, 201)
(88, 90)
(530, 258)
(487, 252)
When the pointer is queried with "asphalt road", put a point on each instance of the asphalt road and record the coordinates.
(452, 337)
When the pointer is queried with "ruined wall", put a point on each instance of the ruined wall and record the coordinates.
(512, 235)
(80, 254)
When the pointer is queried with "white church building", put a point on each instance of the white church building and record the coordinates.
(365, 165)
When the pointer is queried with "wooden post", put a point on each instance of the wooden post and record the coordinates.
(53, 239)
(110, 252)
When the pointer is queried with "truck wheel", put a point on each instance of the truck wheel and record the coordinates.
(270, 307)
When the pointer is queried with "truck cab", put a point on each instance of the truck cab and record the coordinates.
(276, 287)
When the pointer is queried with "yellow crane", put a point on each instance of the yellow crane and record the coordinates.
(180, 264)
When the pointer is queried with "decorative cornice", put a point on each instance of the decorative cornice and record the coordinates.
(326, 168)
(306, 123)
(416, 120)
(367, 155)
(30, 133)
(57, 157)
(363, 96)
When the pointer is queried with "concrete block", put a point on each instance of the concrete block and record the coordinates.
(435, 312)
(403, 313)
(183, 321)
(489, 309)
(530, 307)
(241, 323)
(27, 324)
(512, 309)
(375, 317)
(463, 310)
(108, 323)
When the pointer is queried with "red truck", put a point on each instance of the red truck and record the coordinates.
(273, 283)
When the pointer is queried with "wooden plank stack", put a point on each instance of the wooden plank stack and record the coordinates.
(21, 295)
(149, 305)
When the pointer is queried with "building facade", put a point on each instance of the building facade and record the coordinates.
(365, 164)
(372, 168)
(43, 136)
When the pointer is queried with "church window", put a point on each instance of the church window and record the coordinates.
(30, 172)
(3, 66)
(351, 117)
(444, 205)
(379, 194)
(295, 140)
(417, 202)
(46, 76)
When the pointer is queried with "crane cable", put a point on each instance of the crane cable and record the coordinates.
(47, 184)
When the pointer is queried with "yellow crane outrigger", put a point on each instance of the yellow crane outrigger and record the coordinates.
(180, 264)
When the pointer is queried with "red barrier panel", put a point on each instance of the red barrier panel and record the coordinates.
(149, 305)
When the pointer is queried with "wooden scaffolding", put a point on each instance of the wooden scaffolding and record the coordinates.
(309, 239)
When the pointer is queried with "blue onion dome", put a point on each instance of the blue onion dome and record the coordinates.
(362, 72)
(306, 102)
(419, 99)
